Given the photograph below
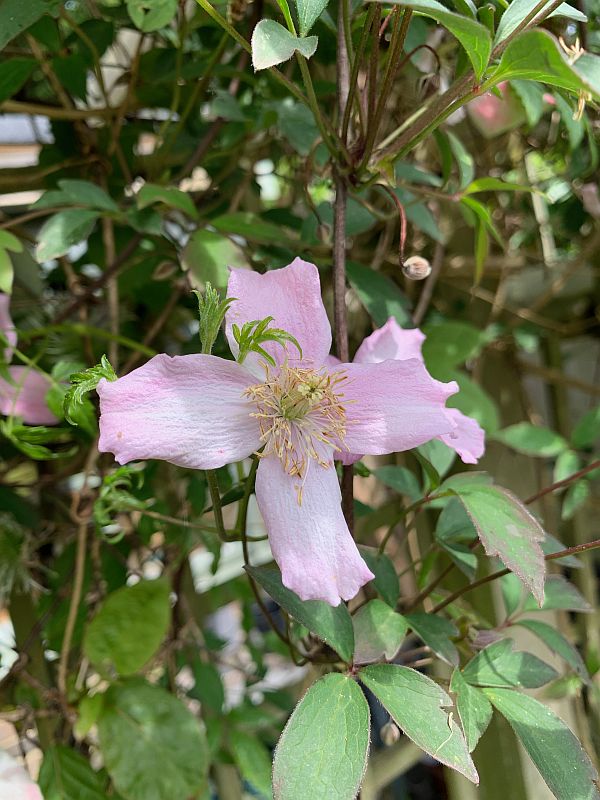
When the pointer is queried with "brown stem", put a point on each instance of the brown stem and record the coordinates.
(564, 482)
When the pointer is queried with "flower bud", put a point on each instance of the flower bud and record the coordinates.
(390, 733)
(416, 268)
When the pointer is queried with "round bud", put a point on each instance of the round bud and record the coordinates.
(390, 733)
(416, 268)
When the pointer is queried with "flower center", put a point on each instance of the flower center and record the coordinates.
(301, 416)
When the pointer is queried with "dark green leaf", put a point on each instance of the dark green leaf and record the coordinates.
(587, 430)
(380, 296)
(14, 73)
(436, 632)
(170, 196)
(499, 665)
(253, 760)
(17, 16)
(555, 641)
(63, 230)
(323, 749)
(208, 686)
(559, 594)
(553, 748)
(386, 580)
(66, 775)
(401, 479)
(332, 624)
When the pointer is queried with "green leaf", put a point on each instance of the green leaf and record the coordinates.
(273, 44)
(512, 592)
(553, 748)
(129, 627)
(250, 226)
(332, 624)
(418, 706)
(552, 545)
(150, 15)
(507, 530)
(89, 710)
(17, 16)
(575, 497)
(559, 594)
(567, 463)
(499, 665)
(309, 12)
(474, 709)
(386, 580)
(323, 749)
(66, 775)
(401, 479)
(587, 430)
(536, 56)
(81, 384)
(7, 242)
(208, 686)
(207, 256)
(14, 73)
(153, 747)
(532, 440)
(450, 344)
(378, 632)
(85, 193)
(63, 230)
(475, 38)
(440, 456)
(454, 531)
(253, 761)
(436, 632)
(518, 10)
(379, 295)
(473, 401)
(495, 185)
(170, 196)
(556, 642)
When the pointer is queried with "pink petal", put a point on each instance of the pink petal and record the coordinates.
(311, 542)
(390, 341)
(7, 327)
(468, 438)
(26, 397)
(189, 410)
(292, 296)
(393, 406)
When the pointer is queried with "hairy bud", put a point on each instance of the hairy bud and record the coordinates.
(416, 268)
(212, 310)
(390, 733)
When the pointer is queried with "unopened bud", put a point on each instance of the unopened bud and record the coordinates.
(389, 733)
(416, 268)
(212, 310)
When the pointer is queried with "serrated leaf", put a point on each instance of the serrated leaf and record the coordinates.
(66, 775)
(378, 632)
(436, 632)
(499, 665)
(553, 748)
(559, 594)
(474, 709)
(418, 706)
(332, 624)
(507, 530)
(273, 44)
(556, 642)
(309, 12)
(386, 579)
(129, 627)
(323, 749)
(532, 440)
(153, 747)
(63, 230)
(473, 36)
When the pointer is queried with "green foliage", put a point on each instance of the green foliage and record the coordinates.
(378, 632)
(84, 382)
(499, 665)
(66, 775)
(252, 335)
(129, 627)
(330, 726)
(273, 44)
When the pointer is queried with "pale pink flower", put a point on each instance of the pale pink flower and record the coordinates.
(392, 341)
(203, 412)
(25, 394)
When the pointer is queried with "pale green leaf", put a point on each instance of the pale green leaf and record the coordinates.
(418, 706)
(559, 594)
(499, 665)
(378, 632)
(518, 10)
(309, 12)
(557, 643)
(63, 230)
(207, 256)
(85, 193)
(170, 196)
(150, 15)
(273, 44)
(474, 709)
(322, 752)
(532, 440)
(129, 627)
